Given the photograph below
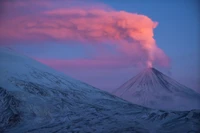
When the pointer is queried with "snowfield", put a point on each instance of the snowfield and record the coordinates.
(37, 99)
(153, 89)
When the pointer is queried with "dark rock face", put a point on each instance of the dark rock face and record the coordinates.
(9, 109)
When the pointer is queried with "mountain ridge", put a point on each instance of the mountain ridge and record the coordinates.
(35, 98)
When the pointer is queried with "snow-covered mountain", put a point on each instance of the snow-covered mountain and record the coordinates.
(153, 89)
(35, 98)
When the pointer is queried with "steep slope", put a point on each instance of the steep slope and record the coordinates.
(153, 89)
(35, 98)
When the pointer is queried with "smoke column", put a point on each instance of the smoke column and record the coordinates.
(130, 33)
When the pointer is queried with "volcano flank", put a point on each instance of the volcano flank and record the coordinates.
(153, 89)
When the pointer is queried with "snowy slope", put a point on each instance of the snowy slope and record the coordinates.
(35, 98)
(153, 89)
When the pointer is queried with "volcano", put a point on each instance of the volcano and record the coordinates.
(153, 89)
(36, 98)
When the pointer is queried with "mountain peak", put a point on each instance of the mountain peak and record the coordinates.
(149, 74)
(154, 89)
(150, 69)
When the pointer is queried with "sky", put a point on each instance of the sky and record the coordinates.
(105, 43)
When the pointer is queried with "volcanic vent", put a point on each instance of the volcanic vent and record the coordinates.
(153, 89)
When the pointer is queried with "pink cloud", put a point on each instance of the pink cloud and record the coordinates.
(130, 33)
(86, 63)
